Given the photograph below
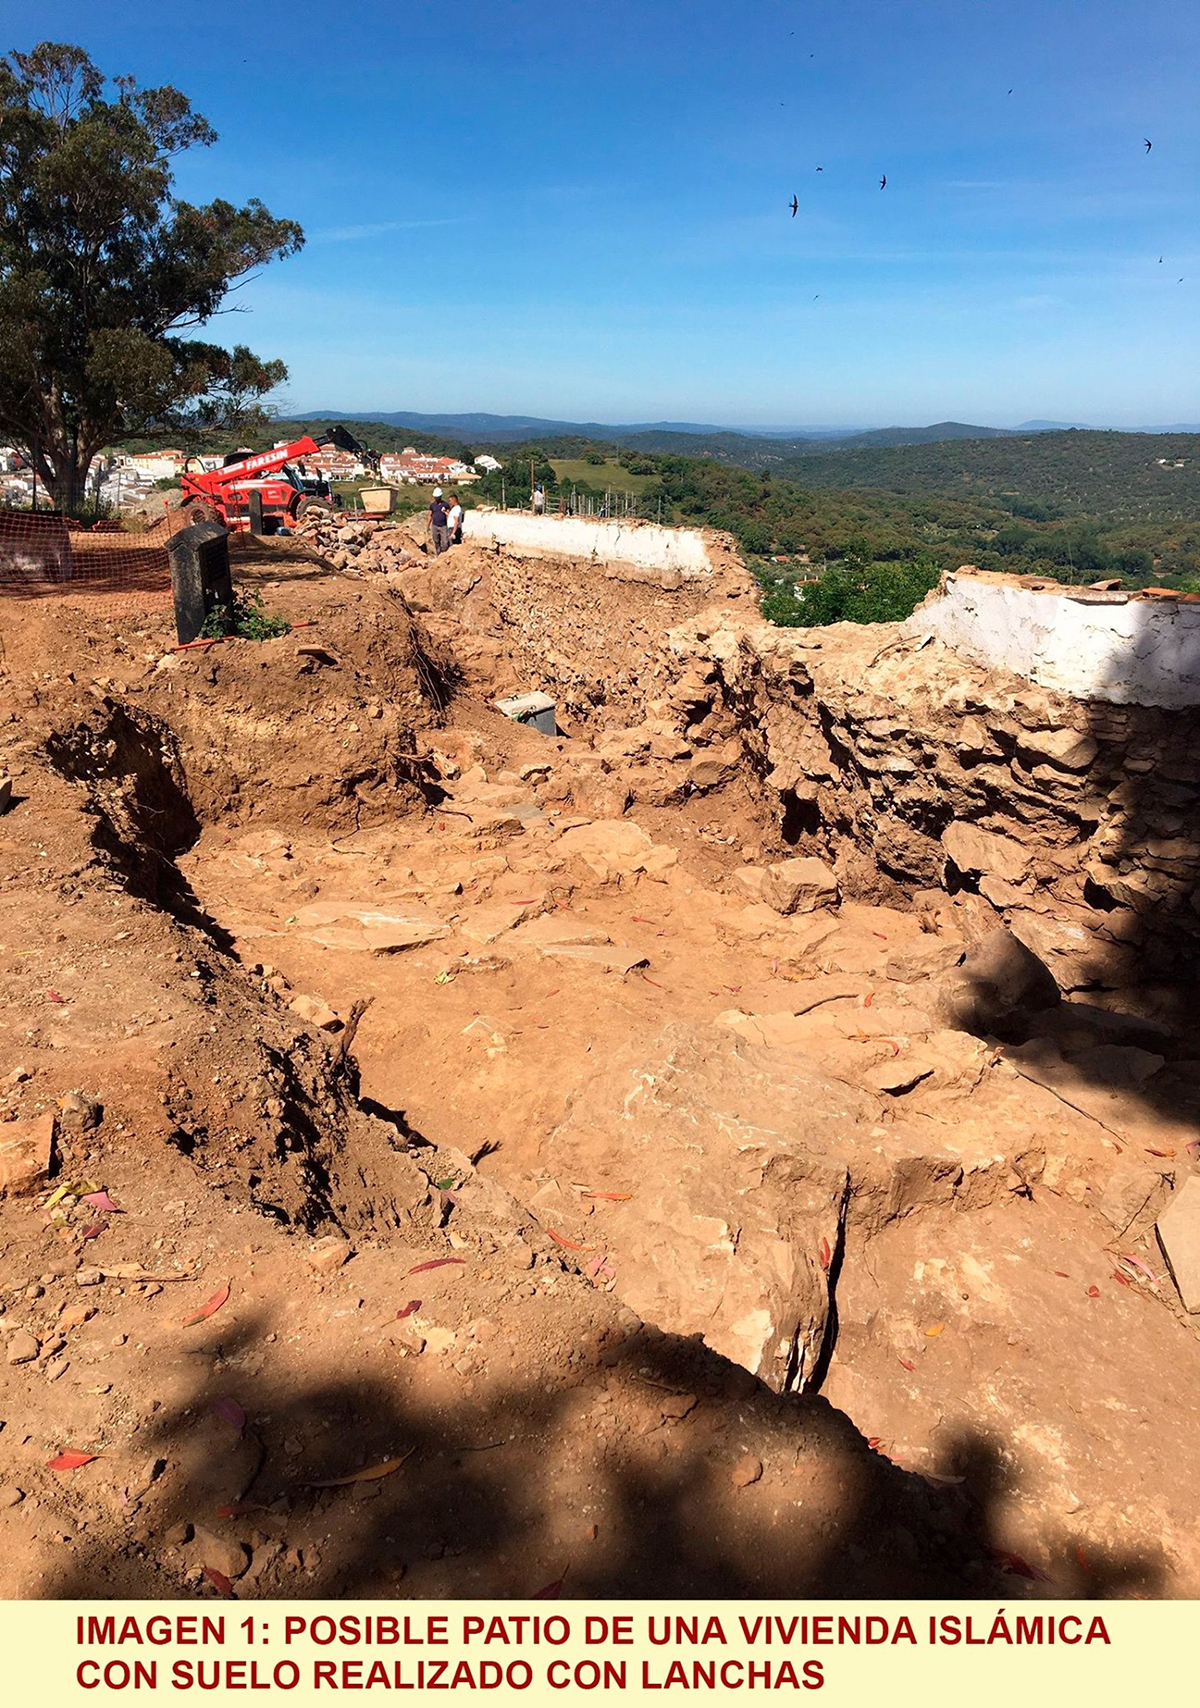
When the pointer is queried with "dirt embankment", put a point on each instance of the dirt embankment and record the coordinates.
(647, 1135)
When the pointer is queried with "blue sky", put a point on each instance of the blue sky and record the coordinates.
(582, 212)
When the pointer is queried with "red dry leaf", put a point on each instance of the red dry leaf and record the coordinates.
(1063, 1274)
(611, 1197)
(102, 1201)
(1143, 1267)
(230, 1412)
(552, 1591)
(1123, 1279)
(412, 1305)
(907, 1363)
(873, 1441)
(882, 935)
(825, 1253)
(1150, 1151)
(207, 1309)
(1093, 1292)
(218, 1580)
(70, 1460)
(434, 1263)
(567, 1244)
(55, 997)
(658, 986)
(93, 1230)
(868, 999)
(1017, 1564)
(371, 1474)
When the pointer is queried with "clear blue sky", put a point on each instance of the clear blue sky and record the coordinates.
(582, 212)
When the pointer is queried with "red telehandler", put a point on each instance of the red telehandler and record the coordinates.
(278, 476)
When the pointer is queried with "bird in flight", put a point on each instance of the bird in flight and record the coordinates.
(1010, 91)
(883, 182)
(795, 205)
(1160, 260)
(817, 298)
(820, 169)
(1148, 143)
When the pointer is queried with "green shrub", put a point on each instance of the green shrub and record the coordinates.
(246, 618)
(854, 591)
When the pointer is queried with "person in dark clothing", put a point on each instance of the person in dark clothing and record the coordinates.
(439, 520)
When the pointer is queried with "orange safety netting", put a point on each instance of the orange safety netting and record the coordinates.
(44, 555)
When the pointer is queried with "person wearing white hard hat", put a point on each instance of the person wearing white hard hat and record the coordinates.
(439, 517)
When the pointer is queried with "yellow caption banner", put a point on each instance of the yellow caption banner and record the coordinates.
(524, 1653)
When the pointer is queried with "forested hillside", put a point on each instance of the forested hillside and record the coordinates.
(1118, 476)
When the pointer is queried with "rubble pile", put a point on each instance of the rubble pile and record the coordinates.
(356, 543)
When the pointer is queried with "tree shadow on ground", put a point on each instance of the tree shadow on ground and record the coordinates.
(649, 1468)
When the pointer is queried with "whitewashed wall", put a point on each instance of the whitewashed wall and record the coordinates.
(1094, 646)
(644, 544)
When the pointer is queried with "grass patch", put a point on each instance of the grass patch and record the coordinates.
(610, 475)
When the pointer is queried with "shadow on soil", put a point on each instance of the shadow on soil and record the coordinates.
(502, 1491)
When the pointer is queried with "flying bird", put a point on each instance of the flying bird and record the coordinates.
(883, 182)
(1010, 91)
(820, 169)
(1149, 144)
(795, 205)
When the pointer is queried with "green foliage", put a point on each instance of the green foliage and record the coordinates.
(168, 483)
(854, 590)
(102, 269)
(246, 617)
(597, 459)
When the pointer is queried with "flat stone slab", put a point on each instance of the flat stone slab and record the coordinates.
(1178, 1230)
(611, 957)
(341, 925)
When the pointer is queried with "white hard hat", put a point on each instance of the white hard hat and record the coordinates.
(437, 492)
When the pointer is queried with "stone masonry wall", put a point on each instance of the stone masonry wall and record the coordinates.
(1077, 822)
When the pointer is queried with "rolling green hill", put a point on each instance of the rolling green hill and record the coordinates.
(1115, 476)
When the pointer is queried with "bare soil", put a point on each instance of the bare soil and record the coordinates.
(509, 1229)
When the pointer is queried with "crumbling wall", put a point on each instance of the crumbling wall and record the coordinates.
(643, 544)
(1094, 643)
(1075, 822)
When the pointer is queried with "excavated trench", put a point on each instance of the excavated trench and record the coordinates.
(818, 995)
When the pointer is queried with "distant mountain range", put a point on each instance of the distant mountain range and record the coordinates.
(700, 438)
(497, 428)
(519, 428)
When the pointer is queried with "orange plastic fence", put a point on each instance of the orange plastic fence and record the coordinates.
(44, 555)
